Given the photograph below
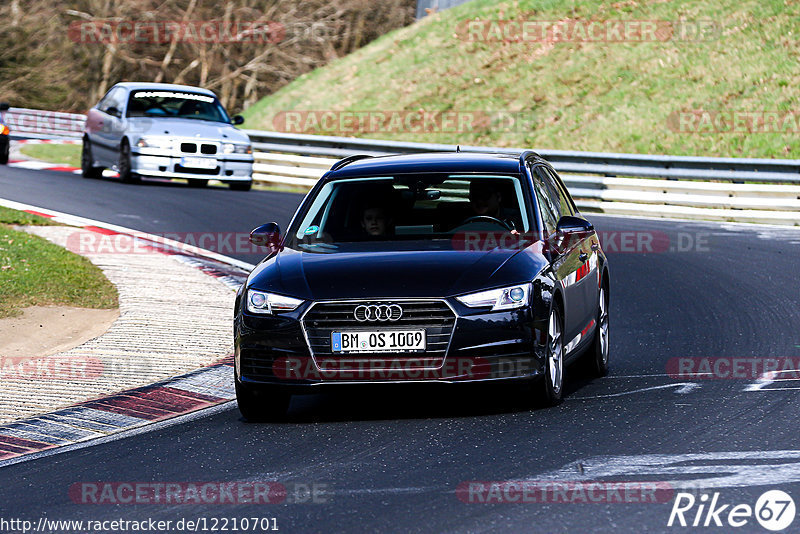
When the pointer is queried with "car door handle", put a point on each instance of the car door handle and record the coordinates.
(583, 256)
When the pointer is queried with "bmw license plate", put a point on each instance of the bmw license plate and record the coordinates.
(378, 341)
(199, 163)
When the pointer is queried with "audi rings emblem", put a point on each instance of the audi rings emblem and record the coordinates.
(377, 312)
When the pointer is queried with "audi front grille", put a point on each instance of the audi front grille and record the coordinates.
(435, 316)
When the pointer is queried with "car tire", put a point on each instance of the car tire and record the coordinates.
(87, 169)
(4, 154)
(597, 355)
(260, 404)
(198, 182)
(241, 186)
(124, 165)
(551, 388)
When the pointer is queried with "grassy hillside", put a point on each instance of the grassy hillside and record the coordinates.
(603, 96)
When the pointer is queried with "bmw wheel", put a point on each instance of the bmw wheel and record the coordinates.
(88, 170)
(124, 165)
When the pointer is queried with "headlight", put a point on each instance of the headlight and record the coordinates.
(505, 298)
(230, 148)
(154, 142)
(261, 302)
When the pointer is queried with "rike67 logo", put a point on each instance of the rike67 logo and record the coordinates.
(774, 510)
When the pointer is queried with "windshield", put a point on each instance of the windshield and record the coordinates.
(178, 104)
(410, 207)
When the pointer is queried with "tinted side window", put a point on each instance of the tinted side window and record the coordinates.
(565, 204)
(546, 205)
(551, 190)
(103, 104)
(114, 99)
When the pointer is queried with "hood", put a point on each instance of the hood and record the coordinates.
(196, 129)
(392, 274)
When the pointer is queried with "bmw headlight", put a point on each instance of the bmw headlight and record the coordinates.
(154, 142)
(268, 303)
(505, 298)
(231, 148)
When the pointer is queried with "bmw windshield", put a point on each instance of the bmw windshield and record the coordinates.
(176, 104)
(427, 210)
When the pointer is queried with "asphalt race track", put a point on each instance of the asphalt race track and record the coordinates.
(393, 459)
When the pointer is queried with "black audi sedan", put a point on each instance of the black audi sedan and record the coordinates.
(426, 268)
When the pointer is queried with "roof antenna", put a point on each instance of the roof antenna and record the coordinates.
(458, 148)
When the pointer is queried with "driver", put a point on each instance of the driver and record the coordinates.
(485, 200)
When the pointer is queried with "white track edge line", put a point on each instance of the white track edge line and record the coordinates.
(76, 220)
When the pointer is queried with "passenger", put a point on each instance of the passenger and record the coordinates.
(376, 221)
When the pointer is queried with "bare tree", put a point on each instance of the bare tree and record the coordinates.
(48, 62)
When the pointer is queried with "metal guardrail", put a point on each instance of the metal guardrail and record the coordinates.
(634, 184)
(605, 164)
(705, 200)
(38, 124)
(30, 123)
(629, 184)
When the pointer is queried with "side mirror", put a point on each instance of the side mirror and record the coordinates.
(572, 225)
(569, 231)
(4, 106)
(267, 235)
(114, 111)
(237, 119)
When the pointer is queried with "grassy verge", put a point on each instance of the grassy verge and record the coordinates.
(35, 272)
(21, 218)
(53, 153)
(596, 96)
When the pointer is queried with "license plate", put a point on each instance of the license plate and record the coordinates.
(199, 163)
(378, 341)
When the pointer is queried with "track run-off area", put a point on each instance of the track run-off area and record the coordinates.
(701, 399)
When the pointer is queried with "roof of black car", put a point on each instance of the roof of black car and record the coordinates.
(450, 162)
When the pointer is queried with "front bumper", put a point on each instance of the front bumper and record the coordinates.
(162, 164)
(483, 347)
